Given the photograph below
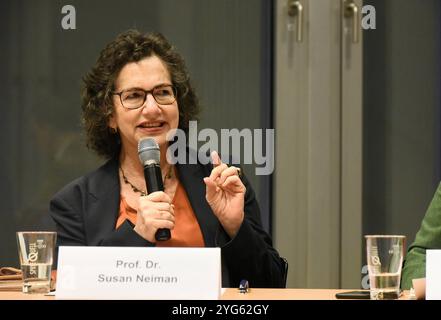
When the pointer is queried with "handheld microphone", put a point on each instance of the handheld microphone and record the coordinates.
(149, 154)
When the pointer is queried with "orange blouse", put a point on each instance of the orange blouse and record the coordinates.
(186, 233)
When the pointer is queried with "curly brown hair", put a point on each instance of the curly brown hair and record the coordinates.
(97, 102)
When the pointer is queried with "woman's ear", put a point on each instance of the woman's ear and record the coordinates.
(112, 123)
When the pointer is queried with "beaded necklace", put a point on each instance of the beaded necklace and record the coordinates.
(168, 175)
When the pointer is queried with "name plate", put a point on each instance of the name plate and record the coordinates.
(433, 274)
(138, 273)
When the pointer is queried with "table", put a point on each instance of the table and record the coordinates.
(231, 294)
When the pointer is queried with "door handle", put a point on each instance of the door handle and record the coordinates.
(351, 11)
(295, 10)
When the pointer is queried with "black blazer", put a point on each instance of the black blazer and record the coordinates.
(85, 212)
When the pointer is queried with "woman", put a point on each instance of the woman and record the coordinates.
(428, 237)
(140, 88)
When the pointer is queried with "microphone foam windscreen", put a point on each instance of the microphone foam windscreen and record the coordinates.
(148, 151)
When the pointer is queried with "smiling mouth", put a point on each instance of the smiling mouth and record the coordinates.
(151, 125)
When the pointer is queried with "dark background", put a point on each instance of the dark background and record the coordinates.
(401, 110)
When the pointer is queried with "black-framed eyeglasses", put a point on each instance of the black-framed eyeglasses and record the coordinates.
(135, 98)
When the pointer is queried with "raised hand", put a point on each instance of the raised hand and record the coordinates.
(225, 193)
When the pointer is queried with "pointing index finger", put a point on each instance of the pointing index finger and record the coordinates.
(216, 160)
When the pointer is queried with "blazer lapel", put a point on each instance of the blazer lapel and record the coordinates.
(191, 176)
(102, 202)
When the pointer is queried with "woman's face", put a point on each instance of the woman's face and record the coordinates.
(152, 119)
